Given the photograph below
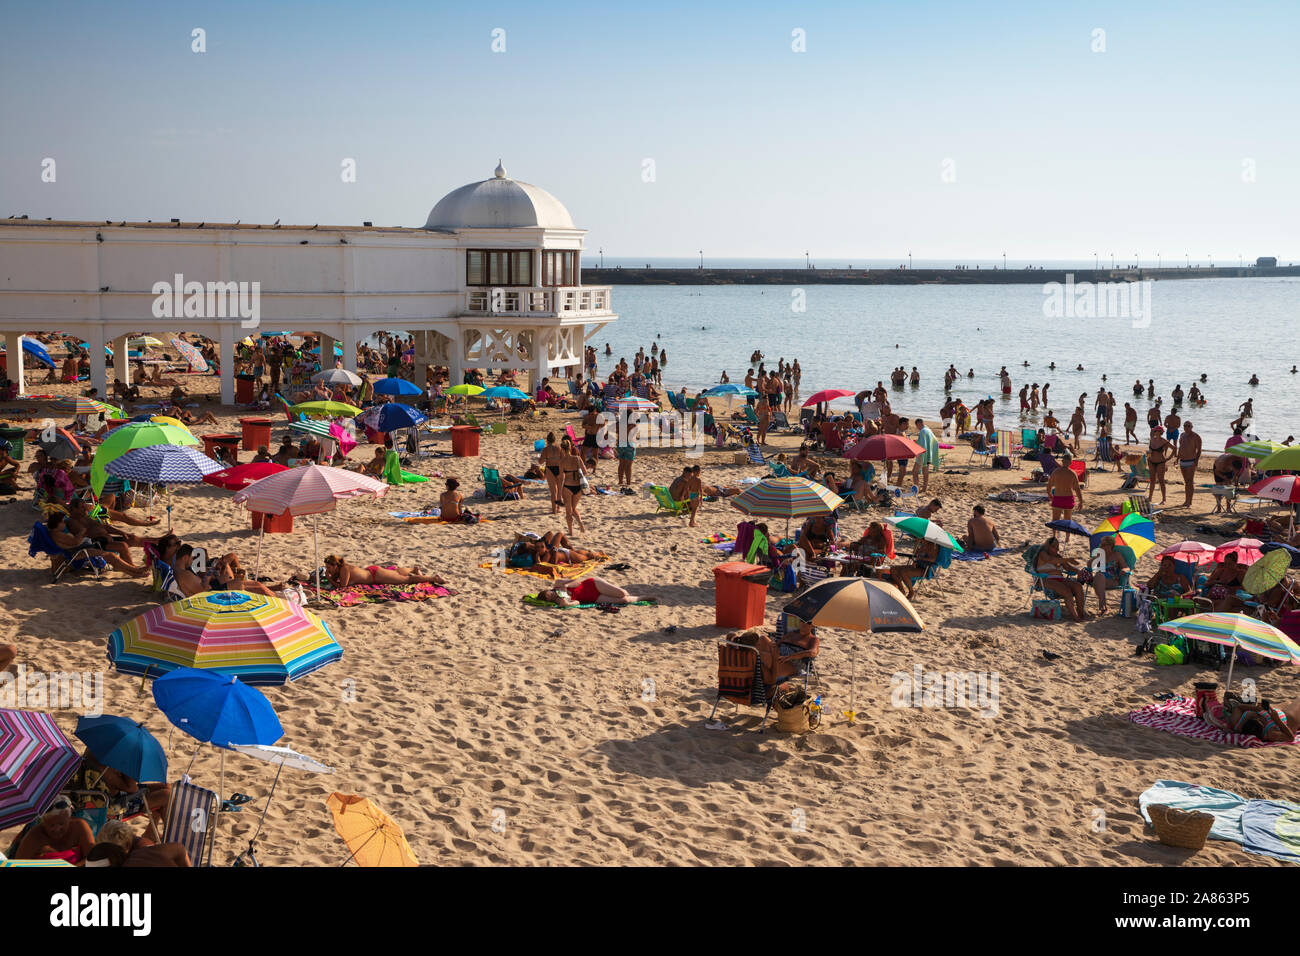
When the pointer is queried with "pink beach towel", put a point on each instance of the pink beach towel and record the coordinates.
(1178, 716)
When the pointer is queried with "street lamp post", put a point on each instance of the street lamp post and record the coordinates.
(909, 260)
(1112, 260)
(807, 259)
(602, 257)
(1158, 260)
(1096, 262)
(1189, 259)
(1004, 260)
(701, 260)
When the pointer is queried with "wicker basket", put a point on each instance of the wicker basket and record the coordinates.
(1181, 828)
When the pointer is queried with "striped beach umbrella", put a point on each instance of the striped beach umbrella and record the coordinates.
(8, 864)
(787, 498)
(191, 354)
(319, 428)
(1236, 630)
(1284, 489)
(326, 409)
(1255, 449)
(36, 760)
(144, 342)
(80, 405)
(1130, 531)
(259, 639)
(130, 436)
(631, 403)
(372, 837)
(163, 465)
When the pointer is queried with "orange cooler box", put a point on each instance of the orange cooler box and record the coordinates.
(741, 594)
(272, 524)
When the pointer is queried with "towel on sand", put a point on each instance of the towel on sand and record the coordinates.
(393, 473)
(1266, 827)
(1178, 716)
(379, 593)
(535, 601)
(563, 570)
(981, 555)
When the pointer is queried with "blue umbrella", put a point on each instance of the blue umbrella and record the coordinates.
(37, 351)
(504, 391)
(125, 746)
(396, 386)
(1070, 527)
(730, 388)
(271, 335)
(392, 416)
(338, 351)
(86, 345)
(216, 708)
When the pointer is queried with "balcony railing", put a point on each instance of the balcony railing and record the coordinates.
(557, 302)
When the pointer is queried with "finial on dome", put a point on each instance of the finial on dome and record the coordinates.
(500, 170)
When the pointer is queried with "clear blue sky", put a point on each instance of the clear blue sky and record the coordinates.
(758, 150)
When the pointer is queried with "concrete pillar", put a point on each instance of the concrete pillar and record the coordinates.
(327, 359)
(98, 365)
(15, 366)
(226, 356)
(541, 364)
(121, 365)
(456, 357)
(349, 348)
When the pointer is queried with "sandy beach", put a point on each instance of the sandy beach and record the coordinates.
(496, 733)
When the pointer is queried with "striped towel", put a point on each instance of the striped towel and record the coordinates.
(1178, 716)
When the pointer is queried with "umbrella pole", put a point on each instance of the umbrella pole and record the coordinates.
(269, 797)
(1232, 660)
(257, 565)
(315, 534)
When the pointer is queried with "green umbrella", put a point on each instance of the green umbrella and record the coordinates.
(1267, 572)
(464, 390)
(1288, 459)
(133, 435)
(1255, 449)
(926, 530)
(332, 409)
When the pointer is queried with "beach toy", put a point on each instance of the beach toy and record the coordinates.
(539, 444)
(1168, 654)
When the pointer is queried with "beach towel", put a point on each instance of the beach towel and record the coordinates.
(543, 570)
(1018, 497)
(1226, 807)
(393, 473)
(1178, 716)
(718, 537)
(1271, 828)
(981, 555)
(379, 593)
(534, 601)
(431, 513)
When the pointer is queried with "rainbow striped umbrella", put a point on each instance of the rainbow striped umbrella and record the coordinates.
(36, 760)
(80, 405)
(1237, 630)
(259, 639)
(1131, 531)
(8, 864)
(787, 498)
(191, 355)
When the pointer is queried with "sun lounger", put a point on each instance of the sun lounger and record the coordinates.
(80, 559)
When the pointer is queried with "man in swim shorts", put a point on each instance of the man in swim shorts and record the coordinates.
(1189, 456)
(1065, 491)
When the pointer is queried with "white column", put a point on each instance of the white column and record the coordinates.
(121, 367)
(349, 348)
(98, 367)
(456, 357)
(327, 352)
(226, 356)
(15, 367)
(541, 364)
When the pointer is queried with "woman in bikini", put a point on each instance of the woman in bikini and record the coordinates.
(1167, 583)
(450, 504)
(571, 468)
(345, 575)
(1159, 451)
(586, 591)
(1223, 583)
(550, 460)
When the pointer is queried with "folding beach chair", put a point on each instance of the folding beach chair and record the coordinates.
(980, 448)
(493, 488)
(573, 436)
(741, 680)
(751, 417)
(1029, 439)
(1039, 596)
(61, 560)
(664, 502)
(755, 455)
(1080, 469)
(1136, 472)
(779, 420)
(190, 814)
(1105, 452)
(1140, 504)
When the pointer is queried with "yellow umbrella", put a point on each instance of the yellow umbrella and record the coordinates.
(168, 420)
(144, 341)
(371, 835)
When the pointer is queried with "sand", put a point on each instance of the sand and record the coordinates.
(497, 733)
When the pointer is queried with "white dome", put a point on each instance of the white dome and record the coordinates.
(498, 203)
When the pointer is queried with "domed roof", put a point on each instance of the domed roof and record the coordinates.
(498, 203)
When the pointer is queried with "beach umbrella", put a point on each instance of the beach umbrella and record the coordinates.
(8, 864)
(925, 530)
(786, 498)
(241, 476)
(1266, 573)
(276, 335)
(108, 349)
(282, 757)
(1292, 553)
(1131, 531)
(1247, 550)
(391, 416)
(144, 342)
(260, 639)
(216, 709)
(1189, 552)
(1069, 527)
(60, 443)
(338, 350)
(396, 386)
(124, 745)
(327, 409)
(338, 376)
(465, 389)
(311, 490)
(156, 419)
(163, 465)
(36, 760)
(856, 604)
(190, 354)
(1284, 489)
(1236, 630)
(80, 405)
(884, 448)
(729, 388)
(36, 350)
(320, 429)
(504, 391)
(1255, 449)
(631, 403)
(1287, 459)
(372, 837)
(828, 395)
(130, 436)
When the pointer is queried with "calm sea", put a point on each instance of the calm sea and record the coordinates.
(852, 336)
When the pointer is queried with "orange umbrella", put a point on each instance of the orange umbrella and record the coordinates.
(371, 835)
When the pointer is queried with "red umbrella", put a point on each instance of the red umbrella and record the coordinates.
(1247, 550)
(241, 476)
(827, 395)
(1281, 488)
(1191, 552)
(884, 448)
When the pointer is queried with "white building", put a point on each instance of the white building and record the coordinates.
(493, 279)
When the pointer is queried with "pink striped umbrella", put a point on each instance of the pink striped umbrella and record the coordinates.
(1247, 550)
(310, 490)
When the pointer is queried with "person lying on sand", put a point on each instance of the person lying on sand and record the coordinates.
(587, 591)
(345, 575)
(552, 548)
(189, 418)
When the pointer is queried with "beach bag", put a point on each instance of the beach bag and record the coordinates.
(1168, 654)
(794, 712)
(1047, 610)
(1128, 603)
(1001, 461)
(606, 452)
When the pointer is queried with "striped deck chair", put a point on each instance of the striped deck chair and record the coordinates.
(610, 393)
(190, 814)
(1140, 504)
(643, 391)
(283, 404)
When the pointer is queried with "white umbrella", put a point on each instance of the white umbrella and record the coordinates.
(338, 376)
(282, 757)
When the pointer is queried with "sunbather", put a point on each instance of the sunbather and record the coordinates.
(139, 851)
(1223, 582)
(189, 418)
(450, 502)
(57, 835)
(118, 784)
(923, 559)
(71, 541)
(346, 575)
(551, 548)
(587, 591)
(1167, 583)
(1058, 568)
